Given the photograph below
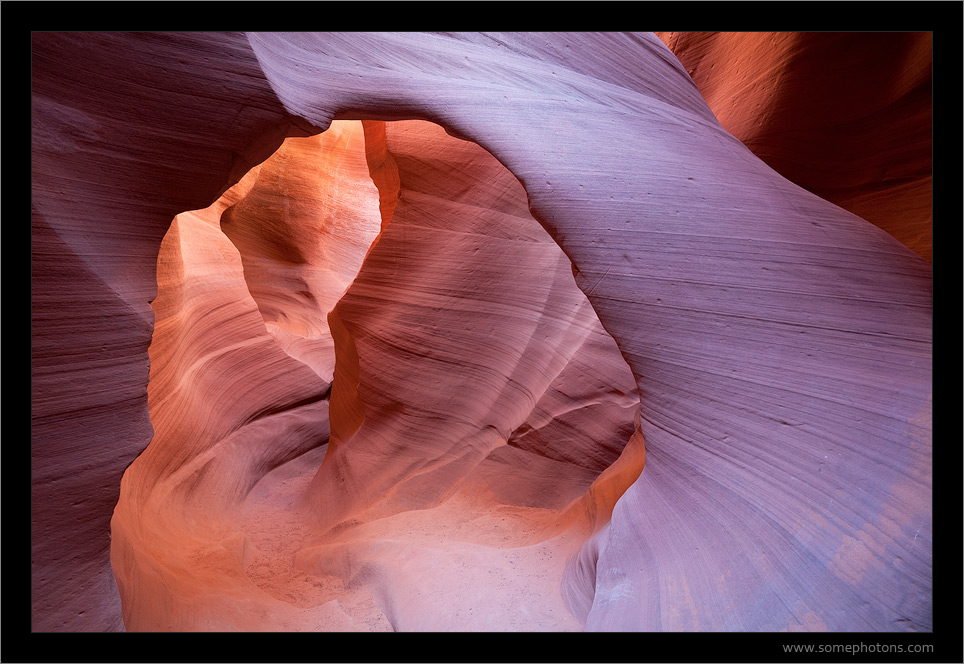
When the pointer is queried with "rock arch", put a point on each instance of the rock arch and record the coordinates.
(781, 346)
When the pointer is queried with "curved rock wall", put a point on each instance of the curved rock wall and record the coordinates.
(463, 277)
(780, 345)
(846, 116)
(228, 406)
(114, 159)
(303, 231)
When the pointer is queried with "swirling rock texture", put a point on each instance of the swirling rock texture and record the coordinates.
(846, 116)
(398, 370)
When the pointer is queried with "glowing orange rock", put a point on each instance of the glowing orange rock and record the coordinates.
(510, 444)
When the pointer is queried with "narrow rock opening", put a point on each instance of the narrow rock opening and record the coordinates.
(380, 401)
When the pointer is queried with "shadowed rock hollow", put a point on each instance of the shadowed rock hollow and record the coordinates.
(423, 299)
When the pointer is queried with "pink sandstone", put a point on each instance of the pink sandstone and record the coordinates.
(401, 374)
(846, 116)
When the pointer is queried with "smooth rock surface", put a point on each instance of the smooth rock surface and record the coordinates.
(113, 160)
(779, 345)
(846, 116)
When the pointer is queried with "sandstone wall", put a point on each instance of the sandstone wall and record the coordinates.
(780, 346)
(846, 116)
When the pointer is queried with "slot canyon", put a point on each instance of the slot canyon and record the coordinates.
(465, 332)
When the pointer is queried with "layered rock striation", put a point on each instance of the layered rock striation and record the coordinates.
(846, 116)
(496, 461)
(400, 375)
